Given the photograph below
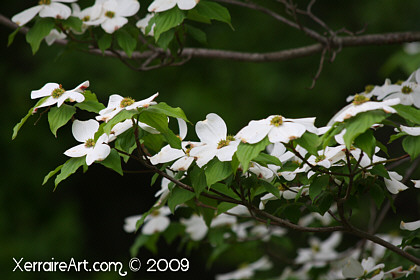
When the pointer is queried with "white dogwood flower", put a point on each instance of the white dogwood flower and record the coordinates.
(410, 226)
(114, 14)
(413, 131)
(53, 36)
(84, 131)
(57, 94)
(117, 103)
(408, 93)
(46, 8)
(278, 129)
(144, 22)
(215, 141)
(157, 221)
(122, 127)
(248, 271)
(393, 184)
(164, 5)
(362, 104)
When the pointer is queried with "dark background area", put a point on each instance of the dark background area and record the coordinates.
(83, 218)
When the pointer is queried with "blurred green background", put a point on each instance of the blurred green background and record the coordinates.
(84, 217)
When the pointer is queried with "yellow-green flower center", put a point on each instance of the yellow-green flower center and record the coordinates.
(86, 18)
(224, 143)
(126, 102)
(406, 90)
(369, 88)
(44, 2)
(155, 213)
(277, 121)
(90, 143)
(399, 82)
(320, 158)
(56, 93)
(188, 149)
(360, 99)
(281, 188)
(315, 248)
(110, 14)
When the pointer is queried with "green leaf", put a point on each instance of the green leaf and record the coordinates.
(382, 147)
(318, 185)
(197, 34)
(89, 105)
(153, 142)
(126, 41)
(310, 142)
(165, 39)
(167, 110)
(59, 116)
(160, 122)
(208, 213)
(212, 10)
(198, 180)
(178, 196)
(396, 136)
(105, 42)
(19, 125)
(367, 142)
(360, 123)
(411, 144)
(271, 189)
(121, 116)
(380, 170)
(377, 194)
(328, 137)
(222, 188)
(141, 240)
(324, 202)
(113, 161)
(408, 112)
(173, 231)
(265, 159)
(74, 23)
(167, 20)
(52, 173)
(68, 168)
(12, 36)
(292, 212)
(39, 31)
(217, 171)
(247, 152)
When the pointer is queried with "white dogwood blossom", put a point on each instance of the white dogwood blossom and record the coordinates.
(157, 221)
(413, 131)
(117, 103)
(410, 226)
(164, 5)
(84, 131)
(247, 272)
(393, 184)
(144, 22)
(215, 141)
(57, 94)
(45, 8)
(278, 129)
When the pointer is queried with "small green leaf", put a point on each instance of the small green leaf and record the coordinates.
(59, 116)
(126, 41)
(208, 213)
(247, 152)
(121, 116)
(411, 144)
(367, 142)
(324, 202)
(197, 34)
(360, 123)
(167, 20)
(113, 161)
(50, 174)
(165, 39)
(68, 168)
(217, 171)
(310, 142)
(377, 194)
(265, 159)
(38, 32)
(271, 189)
(74, 23)
(178, 196)
(105, 42)
(380, 170)
(12, 36)
(328, 137)
(198, 180)
(19, 125)
(167, 110)
(318, 185)
(214, 11)
(408, 112)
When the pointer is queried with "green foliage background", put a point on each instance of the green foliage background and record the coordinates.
(83, 218)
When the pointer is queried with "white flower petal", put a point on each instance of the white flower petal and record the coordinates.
(182, 164)
(156, 224)
(55, 10)
(84, 130)
(99, 153)
(130, 223)
(161, 5)
(352, 269)
(25, 16)
(182, 128)
(255, 131)
(128, 8)
(286, 132)
(204, 154)
(410, 226)
(212, 129)
(414, 131)
(167, 154)
(46, 90)
(187, 4)
(226, 153)
(77, 151)
(113, 24)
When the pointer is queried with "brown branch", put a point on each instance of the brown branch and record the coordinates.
(337, 42)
